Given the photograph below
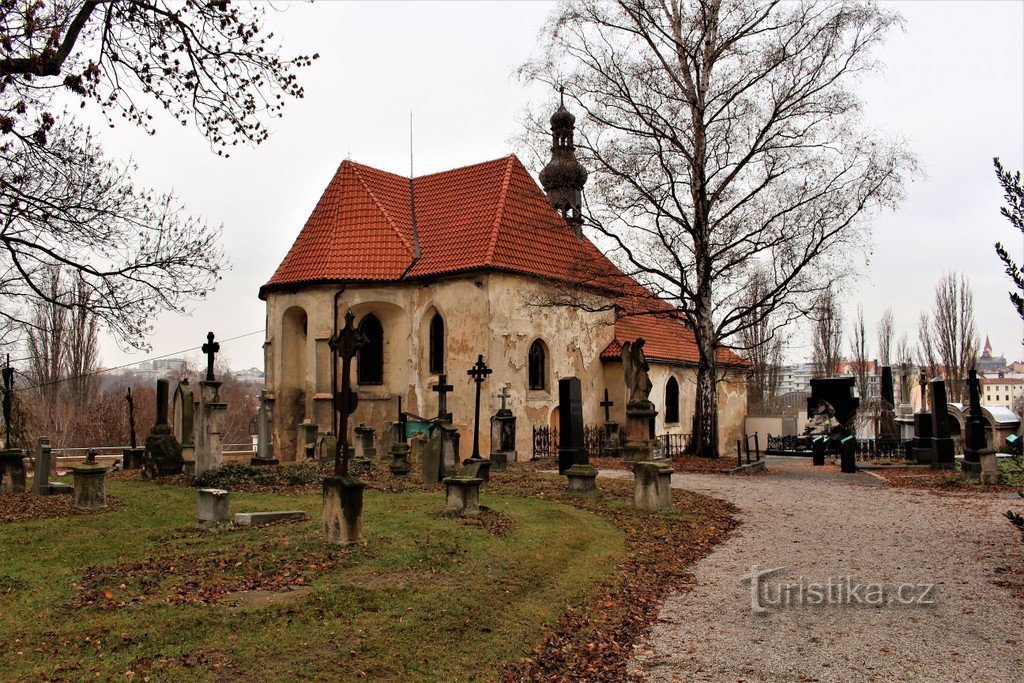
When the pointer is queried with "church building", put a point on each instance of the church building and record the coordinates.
(441, 268)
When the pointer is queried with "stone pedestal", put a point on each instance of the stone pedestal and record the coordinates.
(400, 459)
(503, 435)
(499, 460)
(989, 468)
(639, 444)
(212, 508)
(652, 483)
(944, 457)
(450, 462)
(365, 447)
(476, 469)
(462, 495)
(90, 486)
(818, 444)
(848, 455)
(582, 478)
(12, 470)
(612, 448)
(209, 448)
(41, 470)
(131, 458)
(343, 510)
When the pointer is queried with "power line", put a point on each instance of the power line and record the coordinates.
(128, 365)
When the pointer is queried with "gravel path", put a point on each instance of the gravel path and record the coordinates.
(820, 525)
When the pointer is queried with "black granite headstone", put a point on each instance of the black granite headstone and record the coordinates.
(837, 392)
(887, 423)
(571, 450)
(942, 443)
(975, 441)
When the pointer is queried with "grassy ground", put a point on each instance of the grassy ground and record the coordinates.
(138, 592)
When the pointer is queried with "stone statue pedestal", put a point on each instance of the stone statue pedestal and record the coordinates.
(12, 470)
(343, 510)
(90, 486)
(209, 448)
(652, 486)
(639, 444)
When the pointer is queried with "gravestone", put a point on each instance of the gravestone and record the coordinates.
(163, 452)
(503, 435)
(13, 477)
(306, 432)
(417, 445)
(612, 449)
(365, 447)
(923, 451)
(213, 508)
(839, 393)
(41, 470)
(90, 484)
(978, 457)
(431, 465)
(326, 445)
(818, 445)
(572, 453)
(887, 422)
(264, 433)
(183, 419)
(942, 444)
(462, 496)
(848, 454)
(212, 413)
(478, 373)
(131, 457)
(400, 459)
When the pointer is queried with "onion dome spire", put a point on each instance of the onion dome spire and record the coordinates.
(563, 177)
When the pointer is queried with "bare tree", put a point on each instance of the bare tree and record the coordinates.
(859, 361)
(83, 347)
(62, 203)
(886, 334)
(46, 343)
(955, 338)
(927, 359)
(723, 137)
(762, 346)
(827, 338)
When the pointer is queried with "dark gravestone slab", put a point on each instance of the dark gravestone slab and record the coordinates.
(848, 454)
(818, 445)
(975, 444)
(570, 424)
(163, 452)
(837, 392)
(887, 426)
(942, 443)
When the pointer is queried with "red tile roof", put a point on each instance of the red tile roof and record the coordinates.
(490, 215)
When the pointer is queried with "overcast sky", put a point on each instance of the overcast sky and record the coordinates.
(953, 86)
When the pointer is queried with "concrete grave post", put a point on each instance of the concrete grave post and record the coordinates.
(213, 508)
(209, 446)
(652, 486)
(90, 484)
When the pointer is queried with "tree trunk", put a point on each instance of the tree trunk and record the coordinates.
(705, 435)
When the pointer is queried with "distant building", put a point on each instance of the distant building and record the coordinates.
(1001, 392)
(250, 375)
(169, 365)
(989, 364)
(795, 378)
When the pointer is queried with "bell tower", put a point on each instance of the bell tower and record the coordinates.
(563, 177)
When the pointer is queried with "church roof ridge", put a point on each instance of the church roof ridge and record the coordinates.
(500, 211)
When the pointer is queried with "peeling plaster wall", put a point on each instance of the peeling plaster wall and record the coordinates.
(491, 313)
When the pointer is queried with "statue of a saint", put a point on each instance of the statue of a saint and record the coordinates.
(636, 369)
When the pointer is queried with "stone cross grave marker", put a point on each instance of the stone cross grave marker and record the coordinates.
(504, 396)
(210, 348)
(607, 404)
(8, 373)
(443, 388)
(345, 345)
(132, 439)
(479, 373)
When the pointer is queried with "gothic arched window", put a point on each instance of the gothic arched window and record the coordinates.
(672, 401)
(538, 362)
(437, 343)
(370, 360)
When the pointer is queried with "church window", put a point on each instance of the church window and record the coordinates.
(538, 362)
(672, 401)
(437, 343)
(370, 361)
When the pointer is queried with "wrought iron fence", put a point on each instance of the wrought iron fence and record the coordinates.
(788, 443)
(596, 443)
(674, 445)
